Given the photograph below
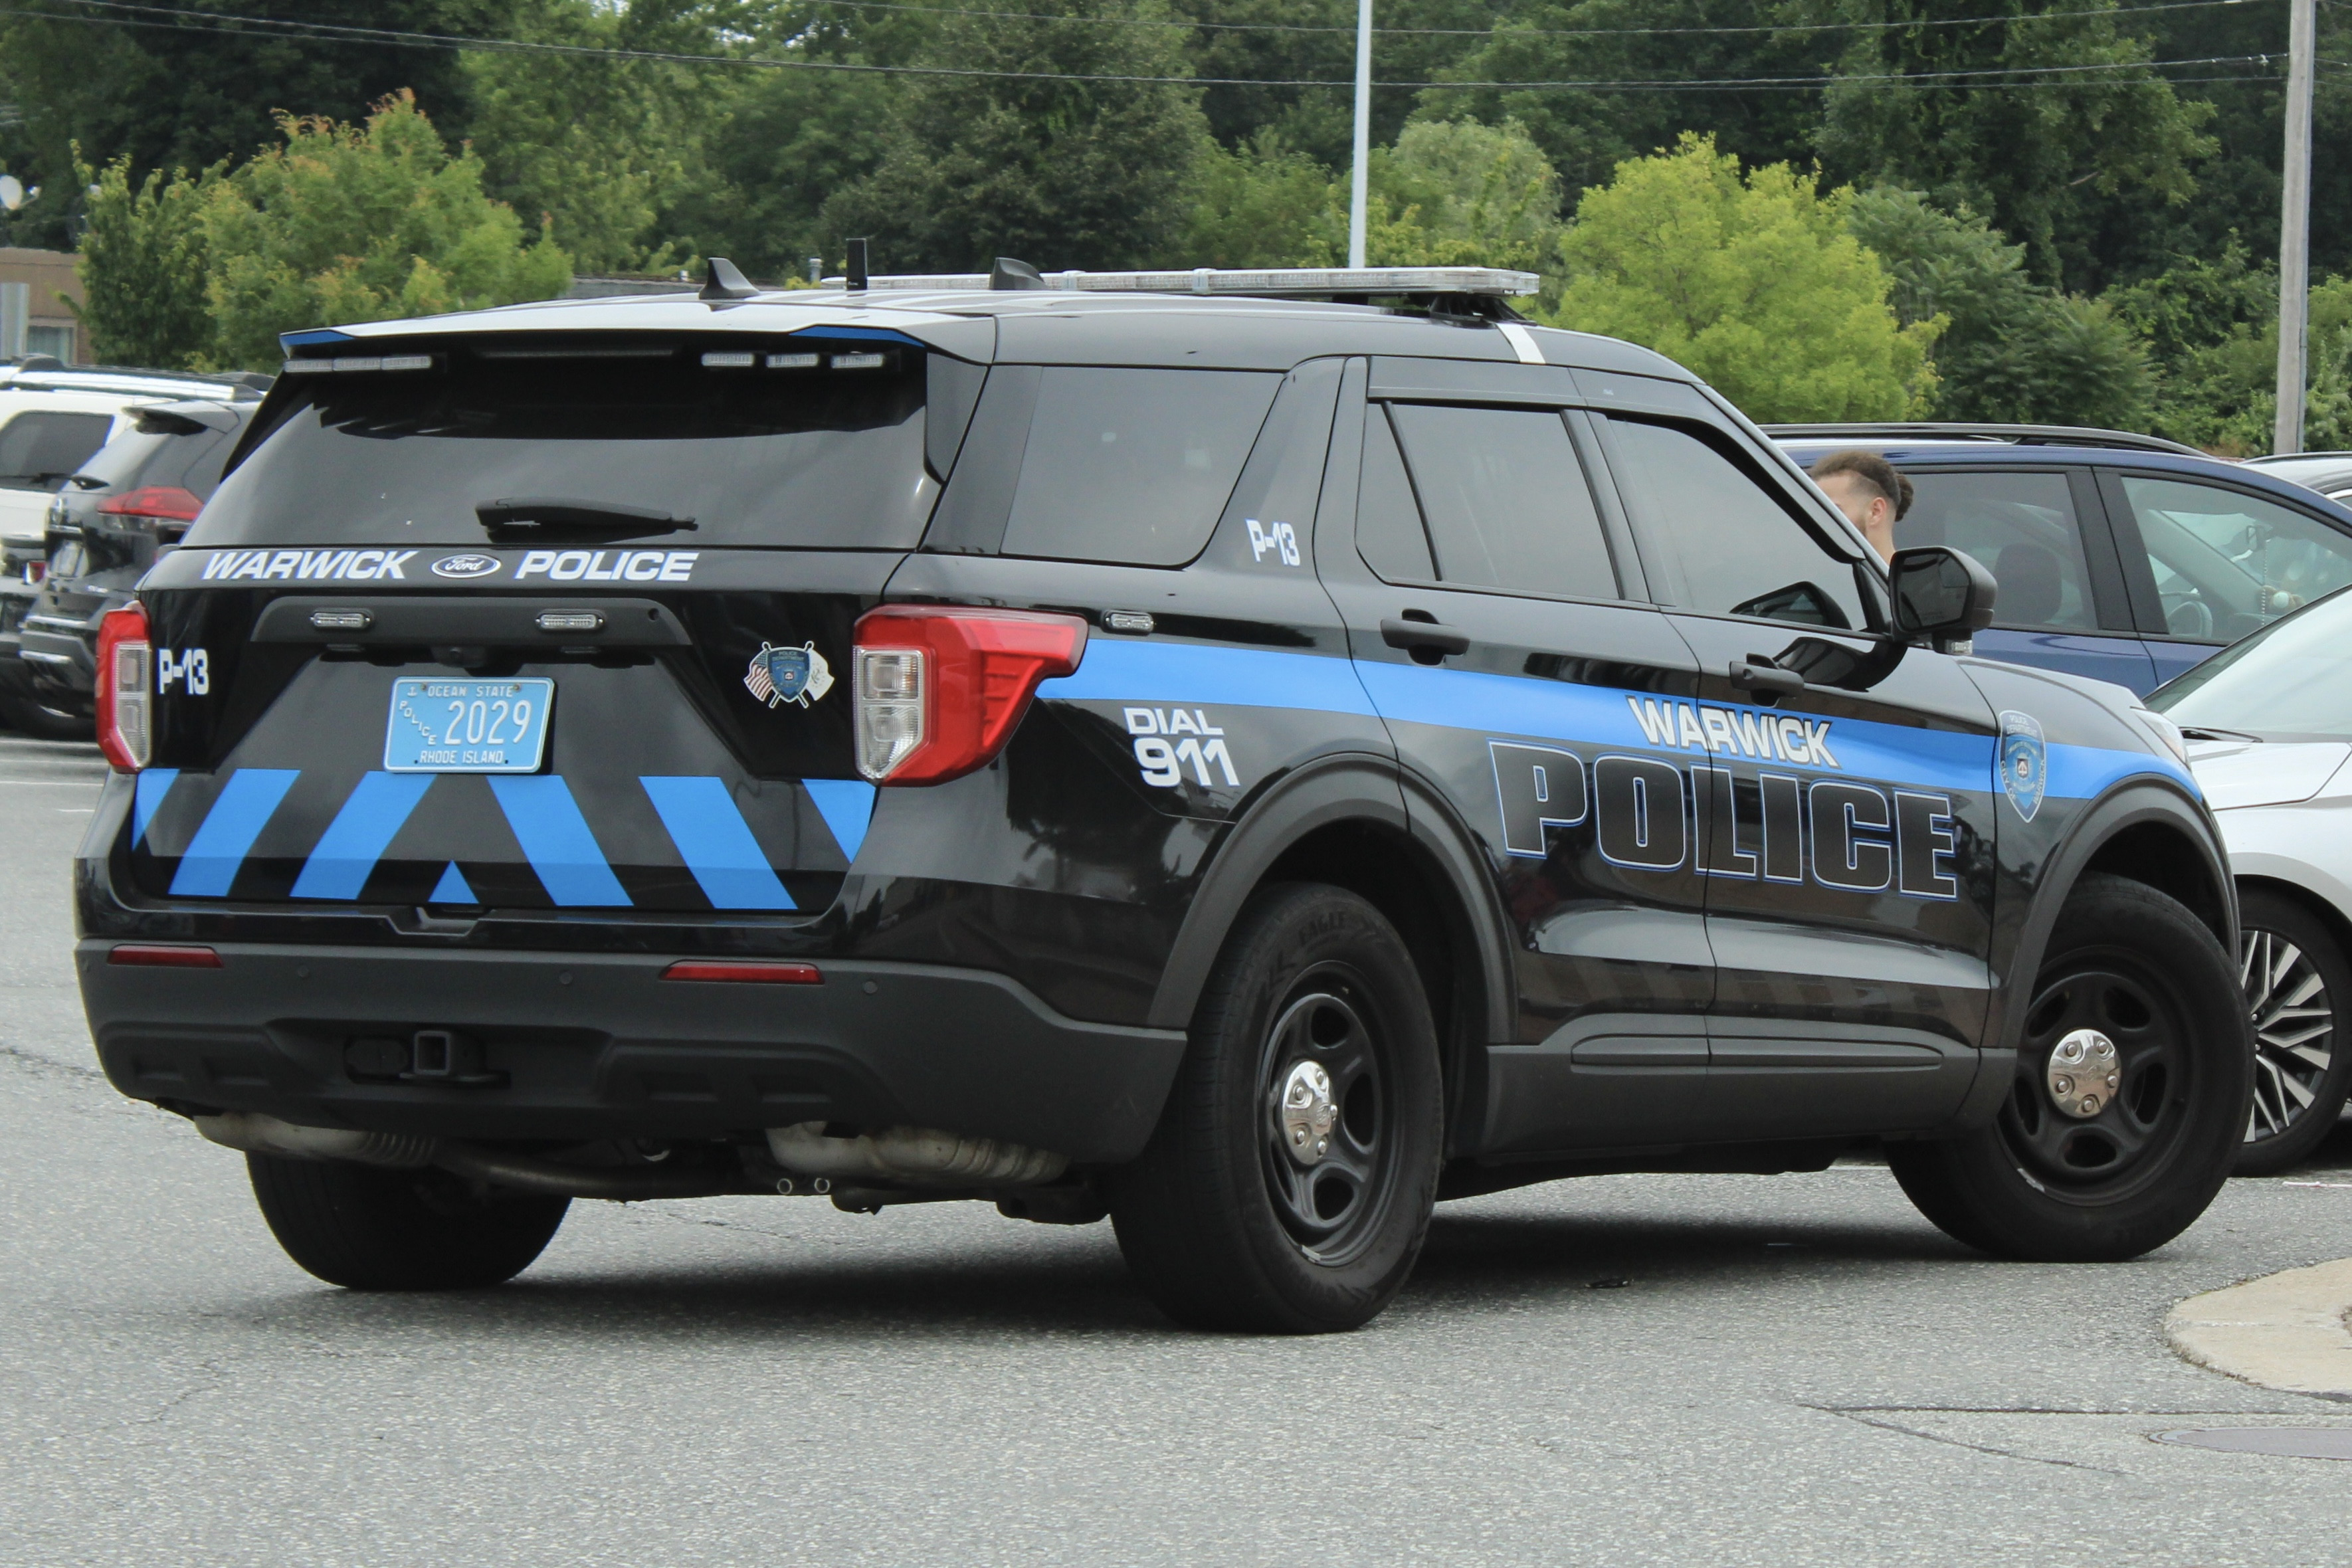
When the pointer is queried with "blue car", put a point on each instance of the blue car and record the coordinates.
(2126, 558)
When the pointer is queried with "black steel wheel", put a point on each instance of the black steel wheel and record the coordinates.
(2132, 1078)
(2296, 982)
(1291, 1178)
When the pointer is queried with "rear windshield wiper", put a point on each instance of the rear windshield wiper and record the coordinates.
(527, 518)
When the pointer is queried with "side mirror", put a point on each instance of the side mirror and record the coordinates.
(1941, 595)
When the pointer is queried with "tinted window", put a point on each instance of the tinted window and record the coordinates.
(1505, 500)
(2022, 528)
(1133, 465)
(825, 455)
(38, 449)
(1388, 533)
(1737, 549)
(2227, 564)
(189, 459)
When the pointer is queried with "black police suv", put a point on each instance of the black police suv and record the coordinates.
(1253, 766)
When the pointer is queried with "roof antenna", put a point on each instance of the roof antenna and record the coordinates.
(856, 278)
(726, 282)
(1011, 274)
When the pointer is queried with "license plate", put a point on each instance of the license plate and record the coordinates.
(467, 726)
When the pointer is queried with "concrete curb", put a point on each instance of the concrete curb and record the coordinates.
(2286, 1331)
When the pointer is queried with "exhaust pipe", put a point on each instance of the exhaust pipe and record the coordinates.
(258, 1134)
(919, 1156)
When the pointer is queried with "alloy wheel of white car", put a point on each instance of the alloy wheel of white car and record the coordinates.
(2294, 1030)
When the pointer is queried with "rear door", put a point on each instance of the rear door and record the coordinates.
(1484, 588)
(539, 624)
(1849, 868)
(2042, 533)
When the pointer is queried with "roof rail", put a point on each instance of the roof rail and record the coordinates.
(2010, 435)
(1263, 283)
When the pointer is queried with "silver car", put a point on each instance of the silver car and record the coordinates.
(2268, 722)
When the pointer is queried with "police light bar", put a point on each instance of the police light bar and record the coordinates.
(1266, 283)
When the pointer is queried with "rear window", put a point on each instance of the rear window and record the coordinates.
(189, 459)
(1133, 466)
(814, 444)
(38, 448)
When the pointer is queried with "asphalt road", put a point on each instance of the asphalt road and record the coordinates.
(1624, 1370)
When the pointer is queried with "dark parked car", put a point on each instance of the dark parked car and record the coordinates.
(2118, 556)
(1254, 767)
(135, 497)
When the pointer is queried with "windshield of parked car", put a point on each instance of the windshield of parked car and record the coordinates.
(2291, 680)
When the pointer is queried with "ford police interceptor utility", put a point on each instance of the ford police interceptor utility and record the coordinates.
(1250, 753)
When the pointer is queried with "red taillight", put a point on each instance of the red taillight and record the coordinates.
(125, 709)
(752, 972)
(939, 688)
(158, 956)
(164, 503)
(36, 572)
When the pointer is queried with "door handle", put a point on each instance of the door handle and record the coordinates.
(1758, 673)
(1417, 636)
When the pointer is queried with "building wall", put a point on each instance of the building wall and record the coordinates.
(47, 279)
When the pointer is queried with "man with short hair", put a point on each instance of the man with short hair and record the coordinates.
(1869, 490)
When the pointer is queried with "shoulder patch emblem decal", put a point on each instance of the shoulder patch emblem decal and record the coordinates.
(2025, 760)
(796, 675)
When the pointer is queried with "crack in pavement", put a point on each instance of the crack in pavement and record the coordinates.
(1855, 1414)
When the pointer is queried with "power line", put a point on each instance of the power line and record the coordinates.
(211, 22)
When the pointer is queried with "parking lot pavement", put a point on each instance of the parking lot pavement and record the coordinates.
(1622, 1369)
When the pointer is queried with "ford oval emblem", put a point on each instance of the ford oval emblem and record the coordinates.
(467, 565)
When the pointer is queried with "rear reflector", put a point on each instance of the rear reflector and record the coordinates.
(755, 974)
(162, 957)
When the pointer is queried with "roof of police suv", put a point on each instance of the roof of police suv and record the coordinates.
(1046, 327)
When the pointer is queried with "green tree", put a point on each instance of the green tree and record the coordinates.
(594, 145)
(2210, 325)
(1587, 132)
(2011, 349)
(2028, 151)
(202, 87)
(143, 267)
(1754, 283)
(1058, 170)
(340, 222)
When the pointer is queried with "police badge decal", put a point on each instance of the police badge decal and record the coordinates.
(796, 675)
(2025, 760)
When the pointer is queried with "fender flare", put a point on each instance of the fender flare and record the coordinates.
(1344, 787)
(2129, 804)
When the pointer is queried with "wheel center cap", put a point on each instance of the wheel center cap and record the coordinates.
(2084, 1073)
(1307, 1113)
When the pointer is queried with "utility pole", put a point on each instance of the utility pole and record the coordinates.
(1358, 184)
(2295, 228)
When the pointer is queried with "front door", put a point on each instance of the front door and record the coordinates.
(1848, 782)
(1481, 580)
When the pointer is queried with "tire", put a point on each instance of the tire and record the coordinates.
(366, 1228)
(2298, 984)
(1225, 1218)
(29, 716)
(2041, 1185)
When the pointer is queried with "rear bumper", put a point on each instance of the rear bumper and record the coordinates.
(60, 661)
(596, 1045)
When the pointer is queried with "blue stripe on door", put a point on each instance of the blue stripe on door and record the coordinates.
(846, 805)
(226, 836)
(716, 842)
(154, 786)
(338, 866)
(555, 840)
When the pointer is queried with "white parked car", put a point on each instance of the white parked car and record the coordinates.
(2269, 726)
